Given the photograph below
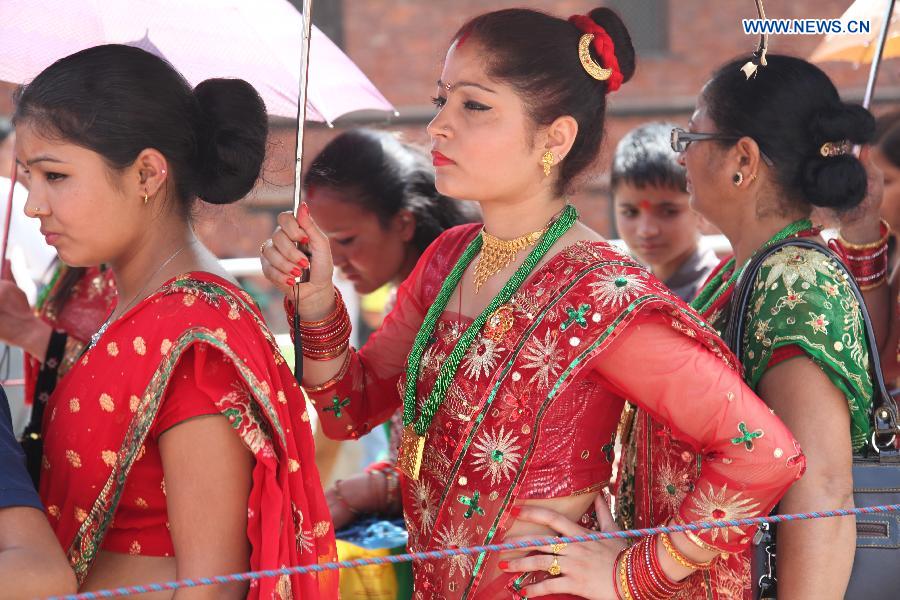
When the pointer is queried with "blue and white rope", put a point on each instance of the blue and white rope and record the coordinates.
(450, 552)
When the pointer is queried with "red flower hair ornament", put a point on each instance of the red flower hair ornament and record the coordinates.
(597, 36)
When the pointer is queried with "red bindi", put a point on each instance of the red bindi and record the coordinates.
(463, 37)
(645, 204)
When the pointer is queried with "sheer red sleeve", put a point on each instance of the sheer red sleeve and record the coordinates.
(749, 458)
(367, 394)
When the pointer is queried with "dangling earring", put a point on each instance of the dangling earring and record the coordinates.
(547, 161)
(146, 197)
(738, 179)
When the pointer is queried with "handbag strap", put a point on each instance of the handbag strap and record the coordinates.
(46, 382)
(884, 409)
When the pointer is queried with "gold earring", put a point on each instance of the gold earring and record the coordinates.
(547, 161)
(146, 197)
(738, 178)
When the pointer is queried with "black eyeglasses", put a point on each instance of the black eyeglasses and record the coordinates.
(681, 139)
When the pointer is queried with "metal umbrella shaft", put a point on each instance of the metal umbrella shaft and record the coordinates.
(301, 100)
(8, 223)
(879, 50)
(298, 176)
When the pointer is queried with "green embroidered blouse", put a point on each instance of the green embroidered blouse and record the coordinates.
(801, 298)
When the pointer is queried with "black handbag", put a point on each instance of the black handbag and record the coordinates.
(876, 472)
(32, 440)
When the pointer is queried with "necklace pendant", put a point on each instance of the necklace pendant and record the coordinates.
(412, 448)
(96, 337)
(499, 323)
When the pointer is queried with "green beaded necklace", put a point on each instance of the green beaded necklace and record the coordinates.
(714, 290)
(412, 445)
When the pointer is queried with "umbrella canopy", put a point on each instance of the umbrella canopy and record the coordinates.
(861, 48)
(258, 41)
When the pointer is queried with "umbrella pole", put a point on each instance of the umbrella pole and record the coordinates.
(879, 50)
(301, 98)
(298, 171)
(8, 223)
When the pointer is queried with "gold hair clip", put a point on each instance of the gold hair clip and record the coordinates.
(830, 149)
(589, 64)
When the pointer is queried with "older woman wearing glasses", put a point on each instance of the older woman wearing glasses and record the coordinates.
(760, 154)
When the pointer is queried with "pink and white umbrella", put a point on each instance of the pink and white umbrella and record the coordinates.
(256, 40)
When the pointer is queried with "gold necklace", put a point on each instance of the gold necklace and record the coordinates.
(497, 254)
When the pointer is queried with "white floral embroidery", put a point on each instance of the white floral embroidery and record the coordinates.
(617, 288)
(456, 536)
(424, 505)
(304, 541)
(433, 358)
(719, 505)
(481, 358)
(497, 454)
(791, 264)
(543, 356)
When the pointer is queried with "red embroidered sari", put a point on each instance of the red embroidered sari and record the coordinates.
(533, 410)
(196, 346)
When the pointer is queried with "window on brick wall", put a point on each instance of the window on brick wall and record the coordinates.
(648, 23)
(328, 15)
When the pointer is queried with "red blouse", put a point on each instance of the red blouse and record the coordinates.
(141, 525)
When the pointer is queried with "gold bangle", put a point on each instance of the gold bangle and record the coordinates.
(312, 389)
(680, 558)
(392, 484)
(623, 573)
(873, 286)
(341, 499)
(693, 537)
(885, 226)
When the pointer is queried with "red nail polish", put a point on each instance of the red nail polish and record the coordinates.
(514, 511)
(296, 272)
(304, 241)
(303, 263)
(523, 593)
(503, 564)
(289, 281)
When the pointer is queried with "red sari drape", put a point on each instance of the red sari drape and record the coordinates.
(99, 421)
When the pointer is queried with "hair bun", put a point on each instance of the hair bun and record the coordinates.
(838, 182)
(616, 29)
(842, 122)
(231, 139)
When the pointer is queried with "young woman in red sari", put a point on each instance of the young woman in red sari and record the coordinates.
(178, 445)
(512, 369)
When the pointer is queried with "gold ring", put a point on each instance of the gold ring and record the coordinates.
(554, 569)
(558, 547)
(262, 247)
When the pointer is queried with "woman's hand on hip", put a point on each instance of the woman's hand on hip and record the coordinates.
(585, 569)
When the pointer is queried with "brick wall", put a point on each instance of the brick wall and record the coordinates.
(400, 44)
